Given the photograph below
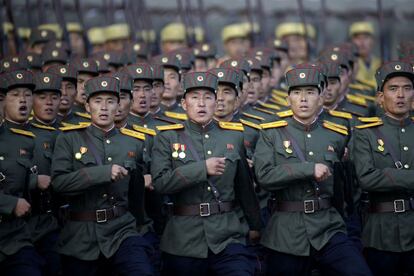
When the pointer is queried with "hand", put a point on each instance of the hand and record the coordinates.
(148, 182)
(254, 236)
(250, 162)
(22, 208)
(215, 165)
(321, 172)
(118, 172)
(43, 181)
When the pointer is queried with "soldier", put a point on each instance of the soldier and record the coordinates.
(96, 36)
(86, 69)
(117, 37)
(38, 39)
(18, 178)
(205, 57)
(172, 37)
(383, 157)
(53, 56)
(76, 41)
(97, 168)
(294, 160)
(235, 40)
(197, 164)
(158, 89)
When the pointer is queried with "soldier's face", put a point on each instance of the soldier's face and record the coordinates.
(254, 87)
(2, 96)
(77, 44)
(397, 96)
(171, 84)
(345, 77)
(102, 107)
(157, 91)
(364, 42)
(199, 105)
(243, 94)
(265, 84)
(46, 105)
(200, 65)
(236, 47)
(18, 104)
(169, 46)
(67, 98)
(298, 49)
(141, 93)
(81, 95)
(211, 63)
(332, 92)
(305, 102)
(276, 74)
(226, 101)
(125, 103)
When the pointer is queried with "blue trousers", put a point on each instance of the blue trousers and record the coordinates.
(132, 258)
(390, 263)
(234, 260)
(46, 247)
(153, 239)
(338, 257)
(25, 262)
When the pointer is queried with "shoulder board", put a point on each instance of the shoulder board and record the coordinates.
(359, 86)
(170, 127)
(250, 124)
(231, 126)
(280, 93)
(43, 126)
(335, 125)
(73, 127)
(366, 97)
(369, 119)
(284, 114)
(84, 123)
(67, 124)
(264, 110)
(280, 100)
(369, 125)
(340, 114)
(175, 115)
(275, 124)
(253, 116)
(356, 100)
(336, 129)
(23, 132)
(270, 106)
(132, 133)
(84, 115)
(369, 84)
(145, 130)
(412, 118)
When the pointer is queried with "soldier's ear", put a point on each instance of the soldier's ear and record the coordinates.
(380, 97)
(87, 107)
(184, 103)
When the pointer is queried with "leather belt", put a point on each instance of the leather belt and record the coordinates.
(396, 206)
(307, 206)
(99, 216)
(203, 209)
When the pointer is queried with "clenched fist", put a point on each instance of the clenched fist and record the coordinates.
(22, 208)
(322, 172)
(215, 165)
(118, 172)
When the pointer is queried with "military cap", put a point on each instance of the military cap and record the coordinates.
(53, 27)
(66, 72)
(255, 64)
(19, 78)
(102, 84)
(74, 27)
(47, 82)
(173, 32)
(280, 45)
(126, 82)
(116, 31)
(304, 77)
(227, 76)
(295, 28)
(393, 69)
(140, 71)
(113, 58)
(200, 80)
(361, 27)
(147, 36)
(168, 61)
(205, 50)
(239, 64)
(41, 36)
(34, 60)
(50, 55)
(318, 66)
(3, 86)
(185, 56)
(331, 69)
(338, 57)
(58, 44)
(265, 61)
(86, 65)
(23, 33)
(7, 27)
(137, 50)
(96, 36)
(231, 31)
(158, 72)
(103, 66)
(13, 63)
(264, 51)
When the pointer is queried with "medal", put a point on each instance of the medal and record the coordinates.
(83, 150)
(286, 143)
(174, 154)
(288, 150)
(381, 148)
(78, 155)
(176, 147)
(182, 153)
(380, 145)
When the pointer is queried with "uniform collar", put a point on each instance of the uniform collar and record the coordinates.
(139, 116)
(100, 133)
(40, 122)
(199, 128)
(399, 123)
(12, 124)
(299, 125)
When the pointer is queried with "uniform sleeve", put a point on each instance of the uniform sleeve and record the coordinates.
(272, 176)
(168, 180)
(66, 180)
(7, 203)
(374, 179)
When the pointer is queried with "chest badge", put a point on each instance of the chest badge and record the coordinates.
(380, 145)
(230, 146)
(82, 150)
(78, 155)
(182, 153)
(176, 147)
(331, 149)
(286, 144)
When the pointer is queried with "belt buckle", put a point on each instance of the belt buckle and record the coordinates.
(2, 177)
(99, 213)
(309, 206)
(204, 209)
(399, 206)
(398, 165)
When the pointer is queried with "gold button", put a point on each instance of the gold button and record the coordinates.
(209, 152)
(406, 166)
(403, 130)
(104, 195)
(309, 135)
(309, 191)
(311, 153)
(108, 141)
(145, 125)
(405, 148)
(206, 136)
(2, 158)
(208, 189)
(109, 159)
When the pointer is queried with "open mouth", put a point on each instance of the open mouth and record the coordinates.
(142, 103)
(201, 113)
(64, 101)
(23, 110)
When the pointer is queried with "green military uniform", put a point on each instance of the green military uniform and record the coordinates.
(178, 173)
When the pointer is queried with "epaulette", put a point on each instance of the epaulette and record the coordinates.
(264, 110)
(84, 123)
(231, 126)
(284, 114)
(175, 115)
(23, 132)
(356, 100)
(270, 106)
(371, 85)
(250, 124)
(369, 119)
(366, 97)
(340, 114)
(67, 124)
(335, 124)
(275, 124)
(84, 115)
(253, 116)
(72, 127)
(279, 93)
(340, 130)
(280, 100)
(132, 133)
(359, 86)
(170, 127)
(43, 126)
(369, 125)
(145, 130)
